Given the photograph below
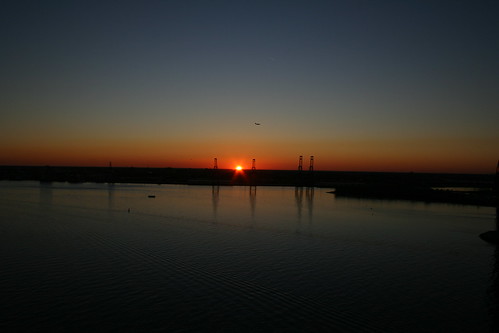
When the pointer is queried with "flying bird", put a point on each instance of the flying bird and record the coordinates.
(257, 124)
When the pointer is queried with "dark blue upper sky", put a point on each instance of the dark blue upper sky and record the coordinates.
(340, 73)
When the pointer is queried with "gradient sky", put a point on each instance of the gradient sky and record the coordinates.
(362, 85)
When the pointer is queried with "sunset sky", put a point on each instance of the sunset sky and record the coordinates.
(362, 85)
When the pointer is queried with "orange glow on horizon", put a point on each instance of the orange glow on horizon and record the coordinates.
(424, 155)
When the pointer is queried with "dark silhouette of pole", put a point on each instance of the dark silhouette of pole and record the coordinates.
(252, 175)
(496, 180)
(215, 173)
(111, 172)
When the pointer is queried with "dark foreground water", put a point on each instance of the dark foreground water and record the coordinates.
(98, 257)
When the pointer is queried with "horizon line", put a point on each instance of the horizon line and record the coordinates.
(244, 169)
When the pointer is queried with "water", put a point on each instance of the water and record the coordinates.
(201, 258)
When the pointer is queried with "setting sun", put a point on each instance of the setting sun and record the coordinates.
(239, 168)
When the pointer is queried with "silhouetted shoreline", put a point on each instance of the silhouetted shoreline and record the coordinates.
(377, 185)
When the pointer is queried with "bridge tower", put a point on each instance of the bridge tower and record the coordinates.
(215, 163)
(311, 168)
(300, 163)
(253, 167)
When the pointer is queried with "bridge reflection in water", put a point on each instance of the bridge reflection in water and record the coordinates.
(303, 200)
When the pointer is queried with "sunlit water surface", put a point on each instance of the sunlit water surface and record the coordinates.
(200, 258)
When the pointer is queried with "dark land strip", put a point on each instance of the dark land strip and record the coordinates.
(426, 187)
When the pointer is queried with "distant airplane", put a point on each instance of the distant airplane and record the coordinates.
(257, 124)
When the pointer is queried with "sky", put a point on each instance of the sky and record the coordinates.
(362, 85)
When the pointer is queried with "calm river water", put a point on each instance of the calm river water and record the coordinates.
(199, 258)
